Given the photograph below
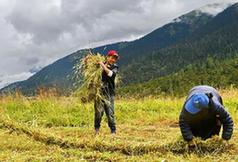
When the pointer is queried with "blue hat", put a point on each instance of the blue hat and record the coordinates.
(197, 102)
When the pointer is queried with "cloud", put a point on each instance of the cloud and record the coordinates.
(36, 33)
(5, 80)
(214, 9)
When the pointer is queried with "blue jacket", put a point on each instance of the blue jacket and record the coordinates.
(204, 121)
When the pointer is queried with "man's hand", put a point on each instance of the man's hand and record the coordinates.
(101, 63)
(104, 67)
(85, 60)
(191, 146)
(191, 143)
(225, 142)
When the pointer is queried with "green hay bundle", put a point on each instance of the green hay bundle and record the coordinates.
(90, 70)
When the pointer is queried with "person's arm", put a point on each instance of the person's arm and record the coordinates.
(109, 72)
(185, 128)
(226, 121)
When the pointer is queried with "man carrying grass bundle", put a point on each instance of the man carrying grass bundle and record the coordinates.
(108, 92)
(203, 114)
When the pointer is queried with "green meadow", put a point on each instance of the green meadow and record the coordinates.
(51, 128)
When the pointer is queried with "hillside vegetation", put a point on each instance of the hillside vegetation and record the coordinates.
(220, 74)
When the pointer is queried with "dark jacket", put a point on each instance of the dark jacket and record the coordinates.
(203, 123)
(109, 82)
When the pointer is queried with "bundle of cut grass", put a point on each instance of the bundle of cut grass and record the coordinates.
(214, 146)
(91, 72)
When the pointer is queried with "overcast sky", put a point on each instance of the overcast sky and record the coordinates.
(35, 33)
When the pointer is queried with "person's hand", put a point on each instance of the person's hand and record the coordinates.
(191, 146)
(224, 142)
(191, 143)
(101, 63)
(85, 60)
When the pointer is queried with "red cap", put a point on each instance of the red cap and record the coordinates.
(112, 53)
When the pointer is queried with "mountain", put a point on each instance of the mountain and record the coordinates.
(217, 38)
(189, 39)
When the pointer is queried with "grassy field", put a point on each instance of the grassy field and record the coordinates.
(49, 128)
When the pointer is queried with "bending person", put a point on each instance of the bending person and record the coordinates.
(203, 114)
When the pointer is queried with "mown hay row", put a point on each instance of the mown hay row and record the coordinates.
(212, 146)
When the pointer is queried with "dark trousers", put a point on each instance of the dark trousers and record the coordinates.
(216, 129)
(205, 134)
(106, 105)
